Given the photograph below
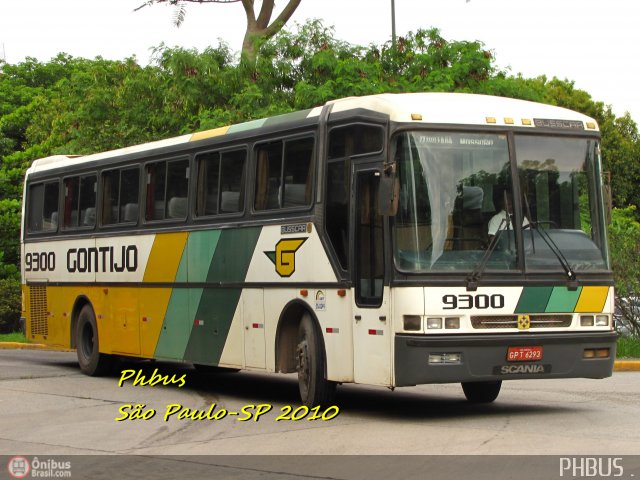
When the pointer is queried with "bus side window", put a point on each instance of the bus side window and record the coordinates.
(220, 182)
(284, 174)
(345, 142)
(232, 175)
(43, 207)
(298, 173)
(269, 174)
(167, 190)
(208, 181)
(79, 201)
(120, 196)
(355, 140)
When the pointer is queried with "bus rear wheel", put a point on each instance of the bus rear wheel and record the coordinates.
(91, 361)
(481, 392)
(315, 389)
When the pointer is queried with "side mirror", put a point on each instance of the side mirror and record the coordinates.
(388, 190)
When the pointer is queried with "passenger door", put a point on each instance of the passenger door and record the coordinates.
(372, 333)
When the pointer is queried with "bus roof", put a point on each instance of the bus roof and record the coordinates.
(419, 108)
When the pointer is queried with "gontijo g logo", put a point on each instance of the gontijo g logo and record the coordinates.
(284, 256)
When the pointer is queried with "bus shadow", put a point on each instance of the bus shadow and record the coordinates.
(360, 400)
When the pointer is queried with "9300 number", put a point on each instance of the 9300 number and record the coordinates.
(467, 301)
(40, 262)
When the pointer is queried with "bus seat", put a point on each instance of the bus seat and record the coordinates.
(177, 207)
(89, 217)
(130, 213)
(158, 210)
(295, 195)
(230, 202)
(211, 206)
(53, 224)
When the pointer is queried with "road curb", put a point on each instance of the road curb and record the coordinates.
(32, 346)
(627, 366)
(619, 366)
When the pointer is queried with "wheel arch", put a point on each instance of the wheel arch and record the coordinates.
(79, 304)
(287, 335)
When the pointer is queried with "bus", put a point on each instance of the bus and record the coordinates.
(391, 240)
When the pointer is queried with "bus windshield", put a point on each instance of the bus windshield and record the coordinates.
(456, 204)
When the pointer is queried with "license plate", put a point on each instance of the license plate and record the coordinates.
(524, 354)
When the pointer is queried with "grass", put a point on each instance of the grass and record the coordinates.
(628, 347)
(13, 337)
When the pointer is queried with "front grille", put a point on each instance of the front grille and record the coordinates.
(39, 314)
(511, 321)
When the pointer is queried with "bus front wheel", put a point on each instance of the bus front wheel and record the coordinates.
(315, 389)
(91, 361)
(481, 392)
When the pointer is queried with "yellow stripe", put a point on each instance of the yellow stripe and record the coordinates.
(215, 132)
(592, 299)
(165, 257)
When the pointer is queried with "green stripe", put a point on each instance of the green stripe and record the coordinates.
(183, 304)
(230, 263)
(534, 300)
(202, 246)
(563, 300)
(241, 127)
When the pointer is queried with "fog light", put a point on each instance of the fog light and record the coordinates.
(434, 322)
(452, 322)
(412, 322)
(589, 353)
(602, 353)
(445, 358)
(602, 320)
(586, 320)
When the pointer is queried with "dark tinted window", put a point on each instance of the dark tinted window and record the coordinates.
(355, 140)
(167, 190)
(284, 176)
(80, 201)
(220, 182)
(120, 191)
(42, 211)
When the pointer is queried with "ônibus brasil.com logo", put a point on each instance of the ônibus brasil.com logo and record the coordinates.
(21, 467)
(18, 467)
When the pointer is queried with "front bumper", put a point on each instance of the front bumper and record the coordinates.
(484, 356)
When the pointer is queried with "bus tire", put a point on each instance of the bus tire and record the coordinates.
(481, 392)
(314, 388)
(91, 361)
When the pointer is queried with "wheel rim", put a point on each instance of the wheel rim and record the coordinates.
(304, 373)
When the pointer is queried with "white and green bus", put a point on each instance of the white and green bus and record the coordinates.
(393, 240)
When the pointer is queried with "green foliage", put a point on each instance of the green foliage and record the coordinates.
(624, 245)
(16, 337)
(9, 305)
(628, 347)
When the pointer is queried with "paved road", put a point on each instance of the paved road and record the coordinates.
(48, 407)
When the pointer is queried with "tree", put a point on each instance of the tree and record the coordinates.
(259, 28)
(624, 243)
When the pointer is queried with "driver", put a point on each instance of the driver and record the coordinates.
(503, 220)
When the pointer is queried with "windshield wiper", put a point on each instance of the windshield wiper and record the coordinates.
(476, 273)
(572, 282)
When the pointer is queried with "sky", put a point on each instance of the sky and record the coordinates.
(591, 42)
